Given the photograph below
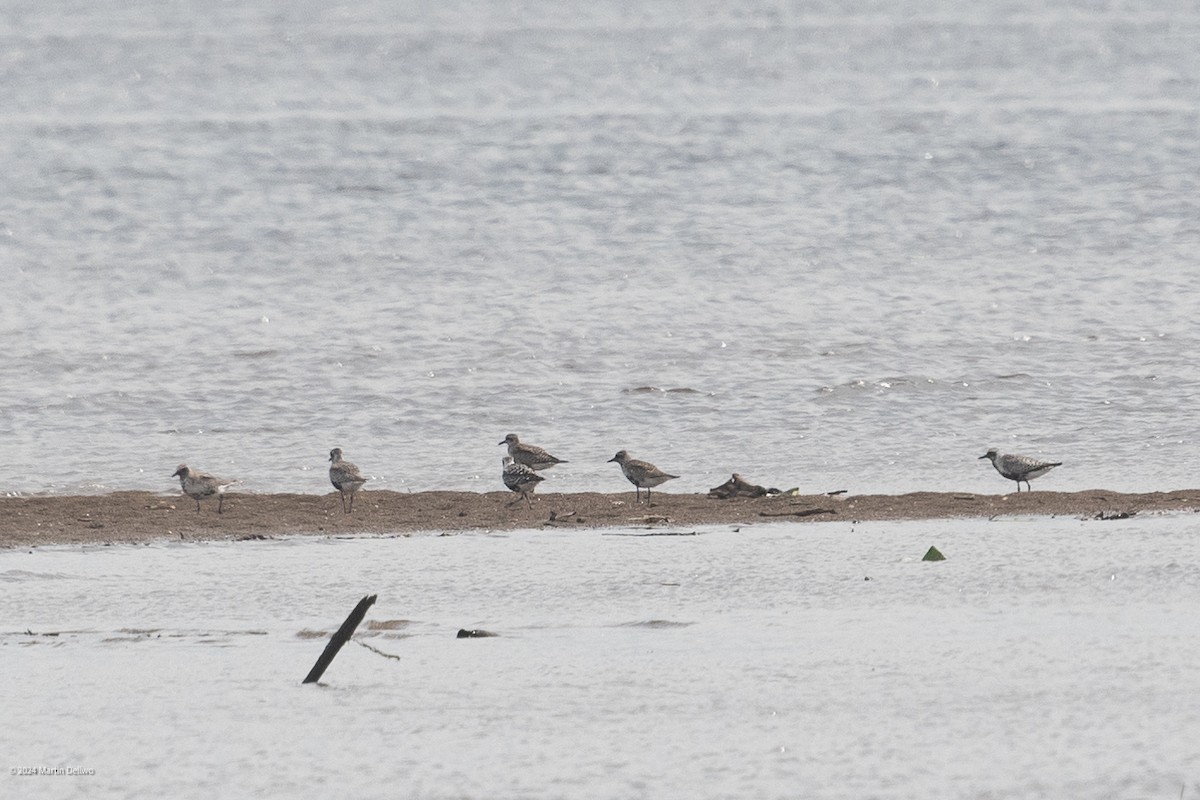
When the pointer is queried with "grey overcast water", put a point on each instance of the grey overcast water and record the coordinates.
(829, 245)
(869, 240)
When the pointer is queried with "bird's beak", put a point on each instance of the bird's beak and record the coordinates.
(501, 442)
(614, 458)
(983, 456)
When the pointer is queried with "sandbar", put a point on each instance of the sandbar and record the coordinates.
(139, 517)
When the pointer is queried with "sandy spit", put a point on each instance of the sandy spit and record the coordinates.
(124, 517)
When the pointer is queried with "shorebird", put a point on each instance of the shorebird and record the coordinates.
(345, 477)
(200, 485)
(519, 478)
(642, 474)
(530, 455)
(1019, 468)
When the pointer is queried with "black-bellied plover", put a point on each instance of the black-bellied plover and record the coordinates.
(519, 478)
(530, 455)
(345, 477)
(642, 474)
(200, 485)
(1019, 468)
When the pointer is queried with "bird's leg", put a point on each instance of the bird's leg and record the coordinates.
(220, 503)
(528, 501)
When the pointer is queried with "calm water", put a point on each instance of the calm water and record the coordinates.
(1043, 659)
(871, 240)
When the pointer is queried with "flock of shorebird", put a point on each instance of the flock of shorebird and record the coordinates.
(524, 461)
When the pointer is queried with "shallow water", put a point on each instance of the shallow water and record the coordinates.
(1043, 658)
(869, 240)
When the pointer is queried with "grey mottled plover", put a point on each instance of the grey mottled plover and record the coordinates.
(200, 485)
(1019, 468)
(530, 455)
(642, 474)
(345, 477)
(520, 478)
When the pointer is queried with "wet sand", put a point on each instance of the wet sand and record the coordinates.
(124, 517)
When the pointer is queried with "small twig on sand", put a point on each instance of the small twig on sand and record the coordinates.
(808, 512)
(376, 650)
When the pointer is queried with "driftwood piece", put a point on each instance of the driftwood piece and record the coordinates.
(340, 638)
(808, 512)
(737, 486)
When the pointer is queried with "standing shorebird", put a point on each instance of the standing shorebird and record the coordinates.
(1019, 468)
(519, 478)
(200, 485)
(642, 474)
(530, 455)
(345, 477)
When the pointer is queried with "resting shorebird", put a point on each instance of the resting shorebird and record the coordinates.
(519, 478)
(642, 474)
(1019, 468)
(345, 477)
(530, 455)
(200, 485)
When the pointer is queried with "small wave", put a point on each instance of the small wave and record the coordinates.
(659, 390)
(18, 575)
(889, 384)
(364, 187)
(306, 633)
(201, 634)
(655, 624)
(387, 624)
(218, 637)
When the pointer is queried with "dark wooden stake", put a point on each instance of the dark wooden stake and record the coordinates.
(340, 638)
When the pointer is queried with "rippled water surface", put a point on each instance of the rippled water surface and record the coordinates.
(1042, 659)
(866, 240)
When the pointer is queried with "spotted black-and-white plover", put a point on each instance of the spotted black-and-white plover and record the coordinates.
(520, 478)
(200, 486)
(345, 477)
(1019, 468)
(642, 474)
(530, 455)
